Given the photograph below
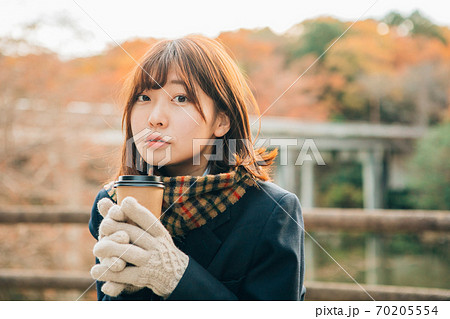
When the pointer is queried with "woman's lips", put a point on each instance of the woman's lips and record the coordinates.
(158, 137)
(156, 144)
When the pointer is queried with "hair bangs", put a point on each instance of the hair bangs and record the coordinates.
(152, 75)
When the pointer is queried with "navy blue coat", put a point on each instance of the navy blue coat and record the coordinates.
(252, 251)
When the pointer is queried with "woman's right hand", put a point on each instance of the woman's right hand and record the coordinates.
(110, 211)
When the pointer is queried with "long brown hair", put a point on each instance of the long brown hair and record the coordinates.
(203, 61)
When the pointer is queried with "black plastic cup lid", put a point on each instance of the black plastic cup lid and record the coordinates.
(139, 180)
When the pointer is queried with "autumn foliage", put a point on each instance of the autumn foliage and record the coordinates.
(377, 71)
(396, 70)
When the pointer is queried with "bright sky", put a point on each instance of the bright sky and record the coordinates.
(95, 23)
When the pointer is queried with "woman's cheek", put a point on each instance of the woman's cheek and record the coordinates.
(138, 122)
(182, 151)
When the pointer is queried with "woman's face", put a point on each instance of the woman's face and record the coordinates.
(168, 113)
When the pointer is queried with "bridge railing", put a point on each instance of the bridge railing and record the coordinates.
(377, 220)
(328, 219)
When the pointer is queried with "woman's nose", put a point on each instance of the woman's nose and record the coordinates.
(158, 116)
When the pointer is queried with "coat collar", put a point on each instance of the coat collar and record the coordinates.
(202, 243)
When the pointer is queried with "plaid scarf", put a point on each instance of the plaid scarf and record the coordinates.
(191, 201)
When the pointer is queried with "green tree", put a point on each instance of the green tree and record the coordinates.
(420, 25)
(423, 26)
(317, 35)
(429, 170)
(340, 185)
(393, 18)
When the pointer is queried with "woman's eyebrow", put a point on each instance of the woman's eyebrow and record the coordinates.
(177, 82)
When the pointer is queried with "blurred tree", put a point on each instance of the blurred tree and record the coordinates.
(25, 78)
(361, 52)
(399, 75)
(343, 196)
(416, 95)
(388, 78)
(315, 37)
(340, 184)
(415, 24)
(429, 170)
(423, 26)
(393, 18)
(249, 47)
(32, 97)
(427, 85)
(99, 78)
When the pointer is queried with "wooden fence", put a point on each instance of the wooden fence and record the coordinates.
(315, 219)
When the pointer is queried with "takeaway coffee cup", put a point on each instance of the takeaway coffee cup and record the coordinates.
(148, 191)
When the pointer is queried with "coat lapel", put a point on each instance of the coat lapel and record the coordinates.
(202, 243)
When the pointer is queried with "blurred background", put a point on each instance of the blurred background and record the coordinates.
(372, 90)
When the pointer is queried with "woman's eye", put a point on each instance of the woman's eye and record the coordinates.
(180, 99)
(143, 98)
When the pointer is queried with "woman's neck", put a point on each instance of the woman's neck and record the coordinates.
(181, 170)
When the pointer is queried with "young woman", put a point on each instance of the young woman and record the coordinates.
(226, 231)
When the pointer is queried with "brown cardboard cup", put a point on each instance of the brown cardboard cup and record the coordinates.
(148, 191)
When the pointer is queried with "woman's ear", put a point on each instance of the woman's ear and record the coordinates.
(222, 125)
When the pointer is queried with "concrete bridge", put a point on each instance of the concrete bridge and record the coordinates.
(381, 150)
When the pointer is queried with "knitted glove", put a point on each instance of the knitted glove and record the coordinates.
(156, 262)
(110, 288)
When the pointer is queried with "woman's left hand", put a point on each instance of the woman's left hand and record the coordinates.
(155, 261)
